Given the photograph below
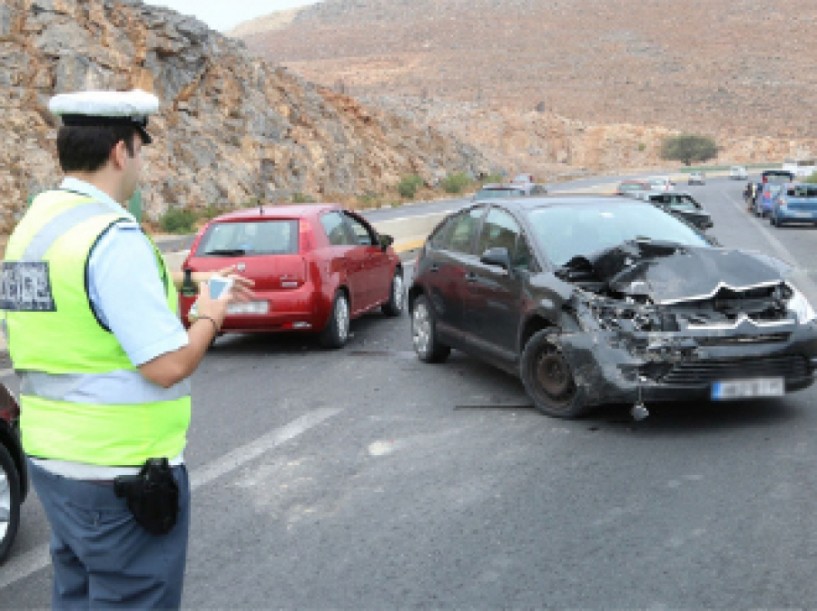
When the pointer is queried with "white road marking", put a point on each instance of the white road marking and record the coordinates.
(242, 455)
(20, 567)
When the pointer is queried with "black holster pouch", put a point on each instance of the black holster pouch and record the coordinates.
(152, 496)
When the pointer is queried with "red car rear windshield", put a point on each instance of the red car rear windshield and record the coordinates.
(267, 237)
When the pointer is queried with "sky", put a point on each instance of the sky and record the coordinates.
(223, 15)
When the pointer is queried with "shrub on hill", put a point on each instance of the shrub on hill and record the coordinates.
(689, 149)
(455, 183)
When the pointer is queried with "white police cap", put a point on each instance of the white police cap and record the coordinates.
(92, 108)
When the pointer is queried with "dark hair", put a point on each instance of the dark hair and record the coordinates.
(86, 148)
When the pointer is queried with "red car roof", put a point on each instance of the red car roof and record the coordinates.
(267, 211)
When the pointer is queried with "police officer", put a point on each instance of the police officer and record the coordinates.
(103, 359)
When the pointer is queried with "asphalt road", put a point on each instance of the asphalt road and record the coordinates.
(364, 479)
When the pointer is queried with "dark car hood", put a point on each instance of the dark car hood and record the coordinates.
(666, 273)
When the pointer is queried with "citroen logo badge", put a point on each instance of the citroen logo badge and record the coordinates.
(241, 266)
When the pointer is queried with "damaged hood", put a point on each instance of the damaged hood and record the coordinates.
(666, 273)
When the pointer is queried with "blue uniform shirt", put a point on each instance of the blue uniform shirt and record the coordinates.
(125, 289)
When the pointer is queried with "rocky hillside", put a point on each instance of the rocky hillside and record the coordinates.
(232, 128)
(569, 84)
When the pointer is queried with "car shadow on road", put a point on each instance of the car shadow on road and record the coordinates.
(666, 418)
(364, 332)
(700, 417)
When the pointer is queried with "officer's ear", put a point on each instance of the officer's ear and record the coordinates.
(119, 154)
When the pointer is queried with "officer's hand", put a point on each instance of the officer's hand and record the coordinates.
(242, 287)
(214, 308)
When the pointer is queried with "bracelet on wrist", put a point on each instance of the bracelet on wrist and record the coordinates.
(216, 327)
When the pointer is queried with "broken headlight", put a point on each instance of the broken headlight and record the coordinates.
(799, 305)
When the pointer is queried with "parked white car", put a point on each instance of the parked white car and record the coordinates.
(696, 178)
(738, 172)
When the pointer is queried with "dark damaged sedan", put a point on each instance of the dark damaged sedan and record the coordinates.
(594, 300)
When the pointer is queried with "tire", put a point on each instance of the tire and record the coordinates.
(424, 333)
(548, 379)
(336, 333)
(773, 221)
(397, 296)
(9, 502)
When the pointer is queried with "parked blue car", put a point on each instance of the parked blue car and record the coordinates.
(795, 203)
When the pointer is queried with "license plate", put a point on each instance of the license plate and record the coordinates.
(742, 389)
(248, 307)
(801, 215)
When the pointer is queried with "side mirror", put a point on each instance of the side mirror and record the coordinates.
(385, 241)
(497, 256)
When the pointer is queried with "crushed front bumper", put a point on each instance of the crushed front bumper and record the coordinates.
(612, 369)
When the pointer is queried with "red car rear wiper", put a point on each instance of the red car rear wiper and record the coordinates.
(226, 252)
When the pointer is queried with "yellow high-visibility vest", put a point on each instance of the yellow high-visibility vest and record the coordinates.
(81, 398)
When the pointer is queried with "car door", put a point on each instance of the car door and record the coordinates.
(492, 299)
(449, 251)
(376, 272)
(347, 258)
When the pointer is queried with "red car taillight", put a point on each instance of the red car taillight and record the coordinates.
(9, 409)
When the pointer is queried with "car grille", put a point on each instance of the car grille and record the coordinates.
(730, 340)
(694, 373)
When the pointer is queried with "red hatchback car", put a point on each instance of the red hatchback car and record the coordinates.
(315, 268)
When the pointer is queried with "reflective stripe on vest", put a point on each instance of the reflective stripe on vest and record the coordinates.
(59, 225)
(113, 388)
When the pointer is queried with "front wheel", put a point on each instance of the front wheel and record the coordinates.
(397, 296)
(424, 333)
(548, 378)
(9, 502)
(336, 333)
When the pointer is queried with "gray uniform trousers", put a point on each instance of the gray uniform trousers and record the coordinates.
(102, 558)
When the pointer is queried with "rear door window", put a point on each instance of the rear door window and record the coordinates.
(499, 230)
(803, 191)
(277, 236)
(458, 232)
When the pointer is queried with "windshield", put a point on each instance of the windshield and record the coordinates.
(566, 231)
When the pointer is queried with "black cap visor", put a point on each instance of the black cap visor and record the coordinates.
(140, 123)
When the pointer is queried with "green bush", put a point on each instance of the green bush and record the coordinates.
(455, 183)
(302, 198)
(408, 185)
(177, 220)
(212, 211)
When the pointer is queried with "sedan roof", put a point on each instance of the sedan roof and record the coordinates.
(565, 200)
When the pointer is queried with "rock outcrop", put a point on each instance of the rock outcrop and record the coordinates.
(233, 129)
